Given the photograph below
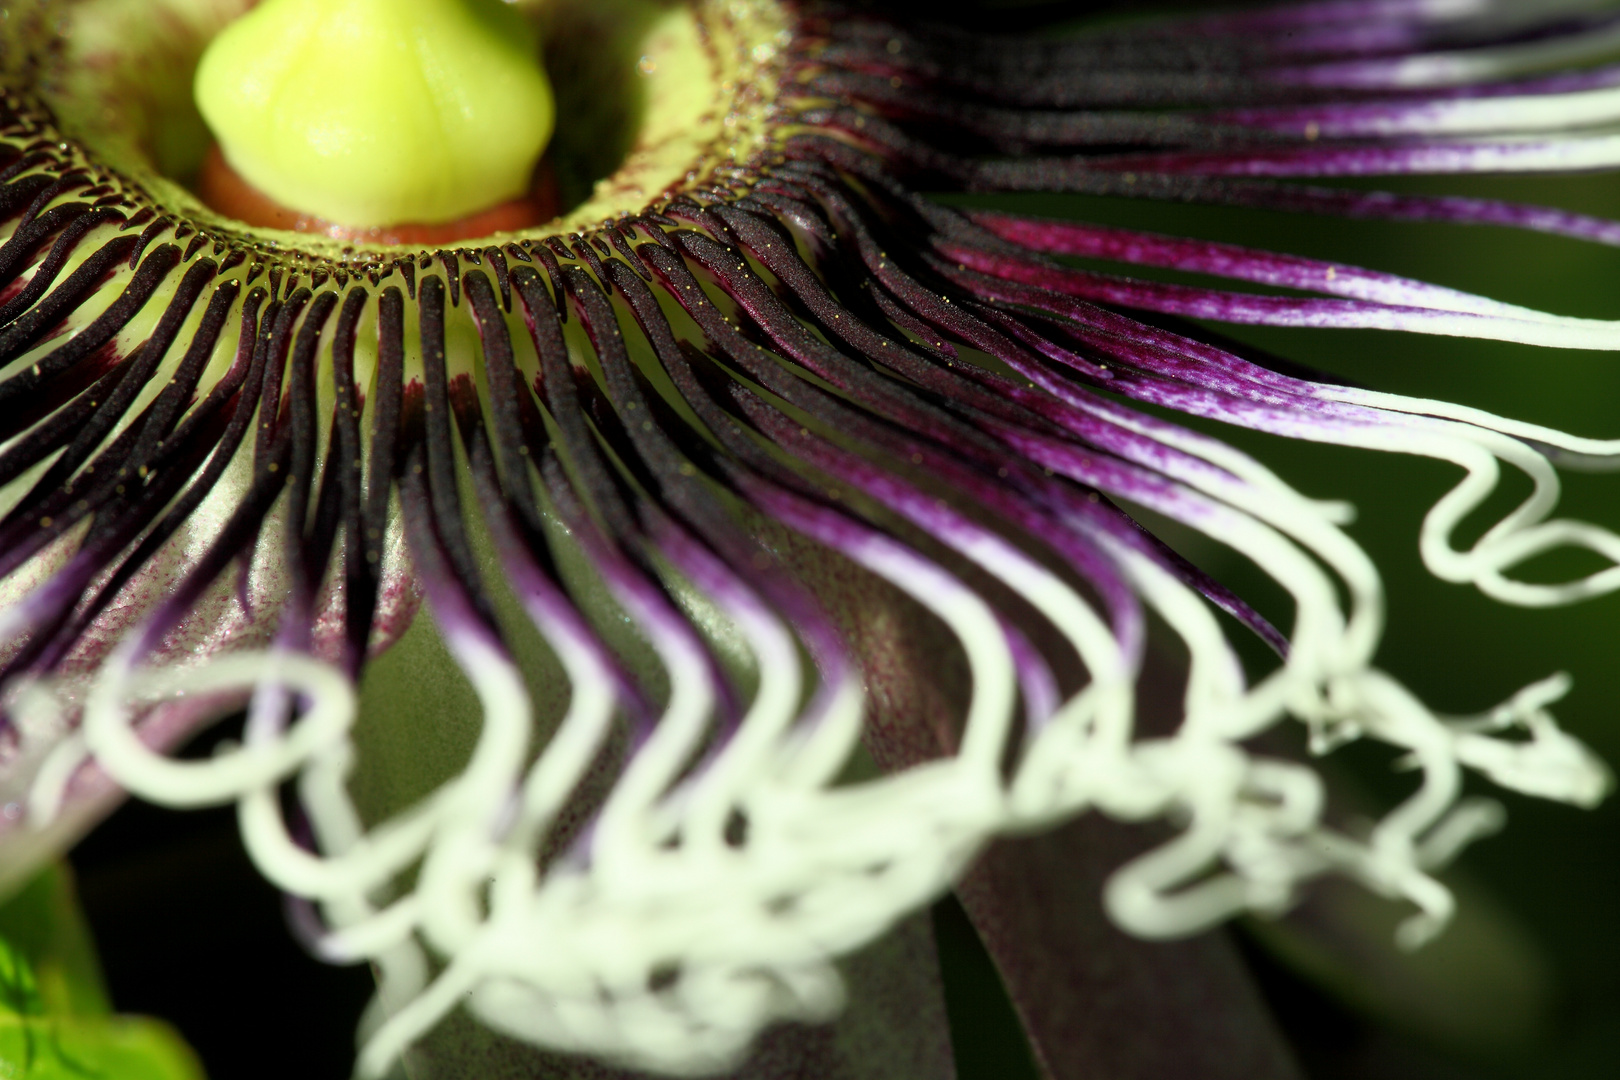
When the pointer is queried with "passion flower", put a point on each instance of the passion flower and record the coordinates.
(739, 437)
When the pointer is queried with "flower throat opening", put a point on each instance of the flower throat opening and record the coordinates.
(640, 90)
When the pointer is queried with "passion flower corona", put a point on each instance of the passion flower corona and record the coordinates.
(769, 450)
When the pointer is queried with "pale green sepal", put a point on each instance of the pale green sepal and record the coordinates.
(377, 112)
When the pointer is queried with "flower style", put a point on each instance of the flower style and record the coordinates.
(732, 437)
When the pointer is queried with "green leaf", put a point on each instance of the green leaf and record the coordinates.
(80, 1048)
(54, 1013)
(43, 924)
(375, 112)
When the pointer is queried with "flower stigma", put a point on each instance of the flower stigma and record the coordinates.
(379, 112)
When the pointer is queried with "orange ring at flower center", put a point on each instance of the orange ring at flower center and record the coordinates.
(224, 190)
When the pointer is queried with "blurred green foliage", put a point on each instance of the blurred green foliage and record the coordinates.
(55, 1021)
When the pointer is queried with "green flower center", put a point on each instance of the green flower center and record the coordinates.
(375, 112)
(651, 97)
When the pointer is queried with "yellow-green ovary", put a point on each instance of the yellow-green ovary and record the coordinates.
(377, 112)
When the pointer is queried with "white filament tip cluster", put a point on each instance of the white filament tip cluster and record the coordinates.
(666, 943)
